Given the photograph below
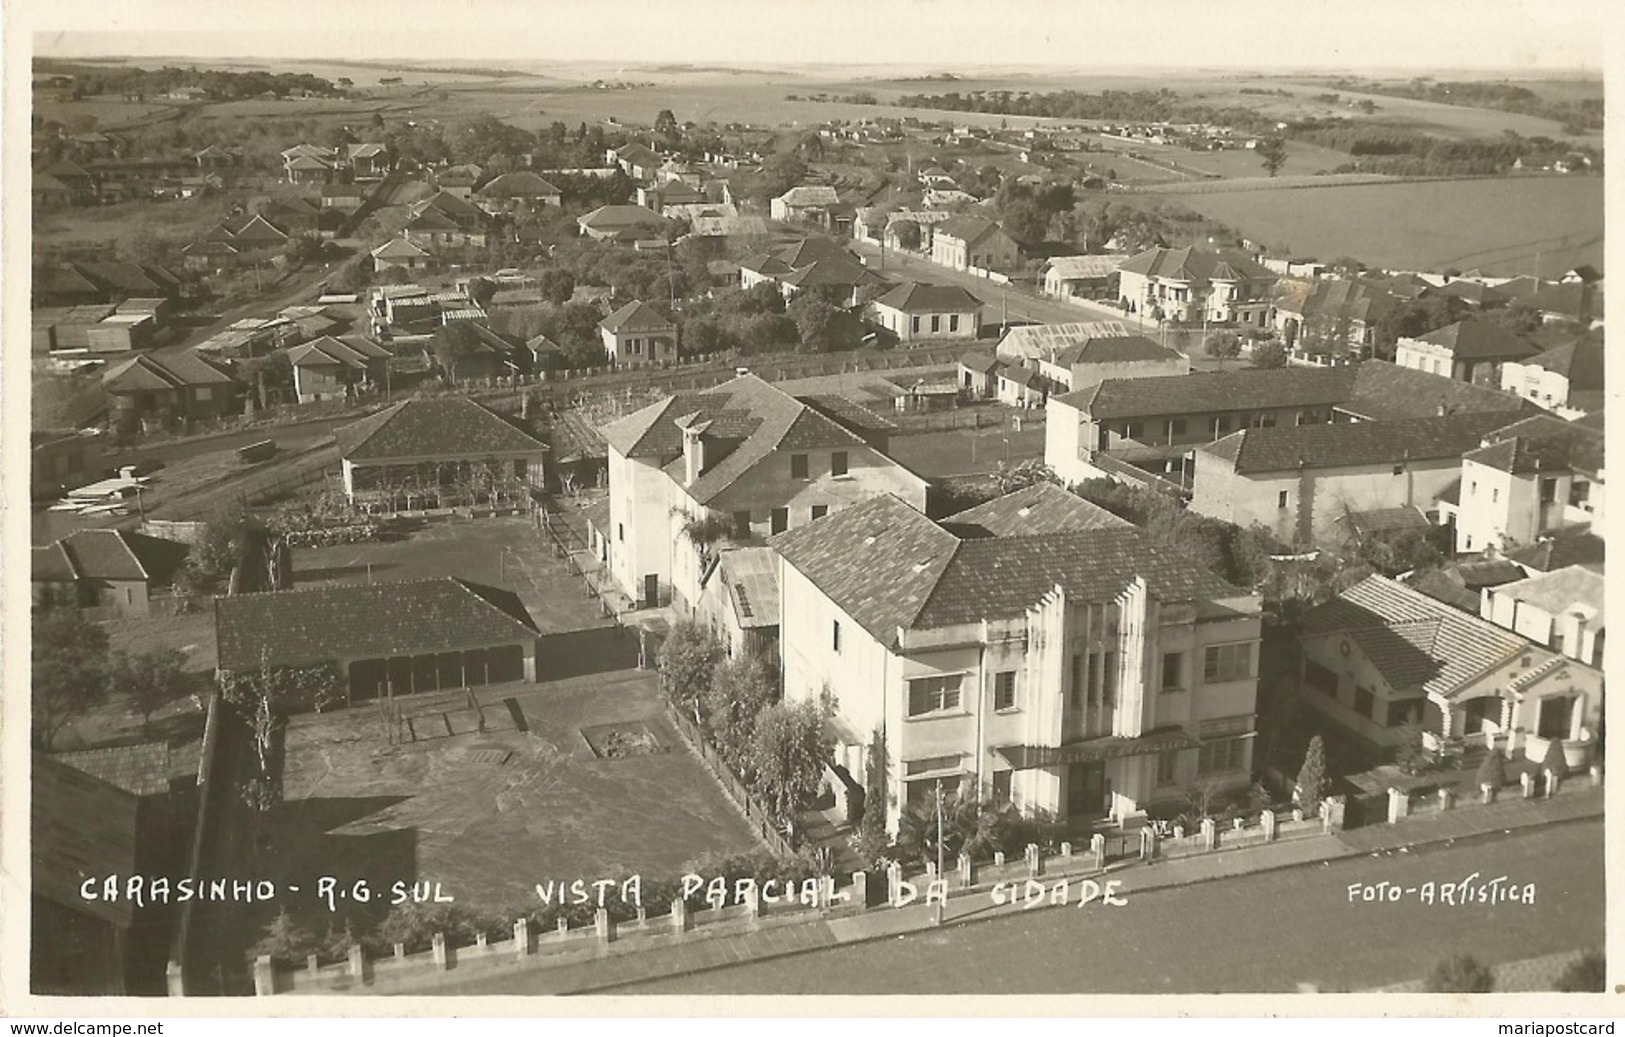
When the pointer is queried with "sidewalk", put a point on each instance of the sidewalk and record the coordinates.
(661, 956)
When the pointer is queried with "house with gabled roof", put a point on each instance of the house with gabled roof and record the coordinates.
(1527, 480)
(815, 262)
(436, 444)
(385, 638)
(519, 192)
(1042, 507)
(180, 387)
(1083, 277)
(1088, 673)
(740, 602)
(1326, 321)
(927, 311)
(808, 203)
(1565, 610)
(114, 569)
(1381, 655)
(1073, 356)
(327, 368)
(465, 214)
(433, 229)
(745, 454)
(368, 161)
(636, 160)
(973, 242)
(639, 333)
(1325, 483)
(626, 223)
(402, 254)
(1190, 285)
(1471, 350)
(1566, 379)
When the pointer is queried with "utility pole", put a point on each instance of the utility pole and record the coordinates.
(940, 877)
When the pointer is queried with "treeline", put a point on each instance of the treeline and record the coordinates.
(1575, 116)
(220, 85)
(1109, 105)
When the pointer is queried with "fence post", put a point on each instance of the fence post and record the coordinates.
(680, 921)
(441, 958)
(400, 954)
(1210, 834)
(967, 871)
(358, 961)
(562, 929)
(1399, 805)
(521, 937)
(1097, 849)
(264, 976)
(1066, 849)
(174, 981)
(1447, 799)
(1035, 861)
(1268, 822)
(894, 882)
(1527, 781)
(860, 890)
(604, 926)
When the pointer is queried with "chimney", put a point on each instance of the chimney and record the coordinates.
(1576, 647)
(693, 454)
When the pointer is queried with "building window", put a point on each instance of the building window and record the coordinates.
(1495, 495)
(1176, 427)
(1133, 430)
(1227, 754)
(835, 636)
(1231, 662)
(953, 322)
(1221, 426)
(620, 531)
(1399, 469)
(742, 525)
(1001, 785)
(1402, 713)
(837, 463)
(936, 322)
(781, 519)
(1173, 671)
(1548, 490)
(1280, 499)
(1364, 701)
(914, 326)
(1077, 682)
(798, 466)
(1004, 690)
(927, 695)
(931, 764)
(1167, 769)
(820, 510)
(1321, 678)
(1093, 686)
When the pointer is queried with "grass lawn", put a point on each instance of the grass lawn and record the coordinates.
(489, 815)
(966, 451)
(502, 552)
(192, 633)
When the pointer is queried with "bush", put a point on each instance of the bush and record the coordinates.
(1460, 974)
(1492, 772)
(1555, 762)
(1588, 975)
(1313, 783)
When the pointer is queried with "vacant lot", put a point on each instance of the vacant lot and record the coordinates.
(489, 815)
(1499, 226)
(117, 227)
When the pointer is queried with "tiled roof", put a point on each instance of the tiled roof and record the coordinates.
(51, 563)
(1213, 391)
(750, 575)
(1415, 641)
(1069, 267)
(888, 566)
(400, 248)
(1190, 264)
(331, 352)
(637, 316)
(520, 184)
(451, 426)
(1541, 443)
(1562, 592)
(1045, 340)
(366, 621)
(1383, 391)
(832, 271)
(451, 205)
(930, 298)
(1440, 586)
(1385, 520)
(1578, 546)
(141, 770)
(619, 217)
(1479, 339)
(969, 229)
(82, 827)
(149, 371)
(1116, 349)
(848, 413)
(1345, 445)
(1580, 361)
(809, 196)
(432, 220)
(1040, 508)
(982, 363)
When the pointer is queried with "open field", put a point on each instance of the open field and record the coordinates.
(118, 226)
(1496, 225)
(967, 451)
(108, 113)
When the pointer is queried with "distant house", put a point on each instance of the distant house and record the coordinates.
(1575, 300)
(289, 216)
(1471, 350)
(370, 161)
(1563, 610)
(468, 351)
(433, 443)
(327, 368)
(1082, 277)
(519, 193)
(621, 223)
(816, 262)
(458, 181)
(179, 388)
(61, 460)
(402, 254)
(1307, 483)
(812, 204)
(1325, 321)
(102, 281)
(465, 214)
(1529, 479)
(966, 242)
(47, 192)
(1566, 379)
(1189, 285)
(740, 602)
(1073, 356)
(636, 161)
(919, 311)
(1381, 655)
(104, 568)
(433, 229)
(343, 197)
(386, 638)
(639, 333)
(977, 375)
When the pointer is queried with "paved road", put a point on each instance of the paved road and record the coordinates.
(1261, 933)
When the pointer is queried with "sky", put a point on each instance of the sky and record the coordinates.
(1415, 35)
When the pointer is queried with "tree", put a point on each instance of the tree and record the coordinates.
(1223, 345)
(740, 689)
(666, 126)
(1269, 352)
(823, 328)
(1411, 753)
(556, 286)
(687, 659)
(872, 837)
(1492, 772)
(1460, 974)
(1313, 782)
(1587, 975)
(152, 679)
(908, 234)
(70, 674)
(788, 751)
(1272, 150)
(1555, 763)
(286, 941)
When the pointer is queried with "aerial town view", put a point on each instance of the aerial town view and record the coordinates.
(544, 527)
